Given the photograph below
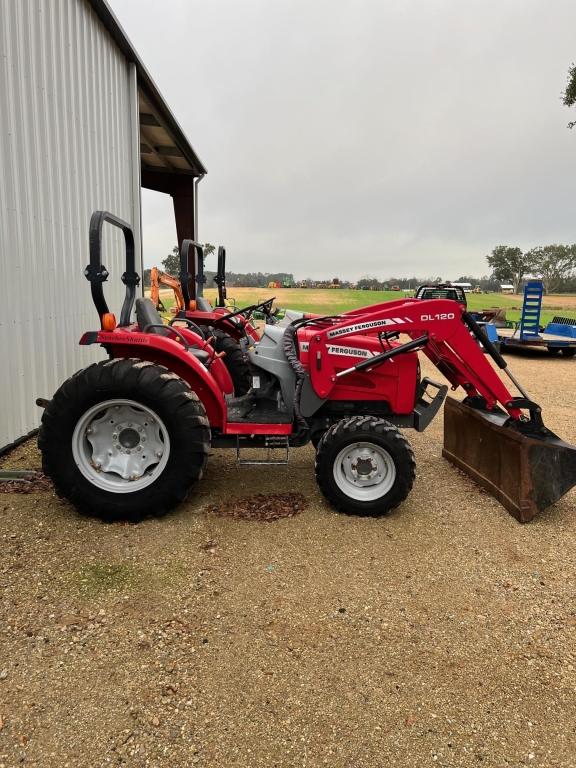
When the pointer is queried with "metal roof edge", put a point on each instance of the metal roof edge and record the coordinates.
(107, 17)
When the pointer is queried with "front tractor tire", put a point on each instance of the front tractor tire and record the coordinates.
(124, 439)
(364, 466)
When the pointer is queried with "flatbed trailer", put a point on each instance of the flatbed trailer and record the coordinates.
(557, 337)
(555, 344)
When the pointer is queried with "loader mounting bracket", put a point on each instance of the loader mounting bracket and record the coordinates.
(96, 273)
(534, 426)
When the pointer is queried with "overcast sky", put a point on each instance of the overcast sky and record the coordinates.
(356, 137)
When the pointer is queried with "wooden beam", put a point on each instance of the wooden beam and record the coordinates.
(148, 119)
(148, 141)
(170, 151)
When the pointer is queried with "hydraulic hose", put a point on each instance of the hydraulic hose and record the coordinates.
(290, 346)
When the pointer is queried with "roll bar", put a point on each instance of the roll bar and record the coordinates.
(199, 270)
(220, 276)
(97, 274)
(185, 276)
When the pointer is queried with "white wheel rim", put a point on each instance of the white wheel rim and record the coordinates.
(364, 471)
(120, 446)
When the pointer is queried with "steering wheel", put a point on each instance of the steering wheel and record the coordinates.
(266, 307)
(189, 324)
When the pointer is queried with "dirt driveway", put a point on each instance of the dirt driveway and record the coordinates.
(441, 635)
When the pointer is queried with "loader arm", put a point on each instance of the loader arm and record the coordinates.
(517, 459)
(445, 339)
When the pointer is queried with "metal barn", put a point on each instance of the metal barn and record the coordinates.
(82, 127)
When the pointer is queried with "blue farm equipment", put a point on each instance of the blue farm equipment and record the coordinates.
(558, 337)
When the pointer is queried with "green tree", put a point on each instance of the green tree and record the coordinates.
(569, 96)
(509, 264)
(369, 283)
(171, 263)
(555, 264)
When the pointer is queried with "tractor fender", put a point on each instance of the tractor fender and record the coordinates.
(221, 374)
(170, 353)
(217, 366)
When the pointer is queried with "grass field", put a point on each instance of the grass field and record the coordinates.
(332, 301)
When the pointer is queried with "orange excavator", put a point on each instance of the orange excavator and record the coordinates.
(158, 278)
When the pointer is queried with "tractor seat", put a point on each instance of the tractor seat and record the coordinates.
(147, 314)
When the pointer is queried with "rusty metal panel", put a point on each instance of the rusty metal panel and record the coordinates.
(526, 474)
(68, 122)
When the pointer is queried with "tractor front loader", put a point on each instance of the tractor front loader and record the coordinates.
(129, 436)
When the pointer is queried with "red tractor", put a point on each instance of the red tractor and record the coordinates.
(232, 332)
(129, 436)
(237, 323)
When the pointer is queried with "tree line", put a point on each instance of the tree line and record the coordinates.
(555, 265)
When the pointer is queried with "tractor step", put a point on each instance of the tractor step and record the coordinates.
(251, 410)
(272, 443)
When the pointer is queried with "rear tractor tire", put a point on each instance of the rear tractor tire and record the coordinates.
(364, 466)
(235, 362)
(124, 439)
(316, 438)
(569, 351)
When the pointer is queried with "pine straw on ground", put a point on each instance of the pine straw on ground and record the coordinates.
(261, 507)
(28, 484)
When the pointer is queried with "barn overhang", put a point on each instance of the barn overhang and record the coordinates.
(166, 167)
(168, 162)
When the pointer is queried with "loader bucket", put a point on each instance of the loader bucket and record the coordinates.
(526, 474)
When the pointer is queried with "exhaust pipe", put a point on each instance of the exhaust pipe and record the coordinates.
(525, 472)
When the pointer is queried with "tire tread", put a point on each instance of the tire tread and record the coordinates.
(156, 387)
(334, 439)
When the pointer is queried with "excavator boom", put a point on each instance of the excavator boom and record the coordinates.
(157, 279)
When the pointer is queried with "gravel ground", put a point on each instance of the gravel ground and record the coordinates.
(443, 634)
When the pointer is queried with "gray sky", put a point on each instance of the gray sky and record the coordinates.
(355, 137)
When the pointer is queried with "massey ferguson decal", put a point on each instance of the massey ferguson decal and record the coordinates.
(349, 351)
(367, 326)
(346, 351)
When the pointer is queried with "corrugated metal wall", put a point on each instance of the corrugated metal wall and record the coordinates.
(67, 135)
